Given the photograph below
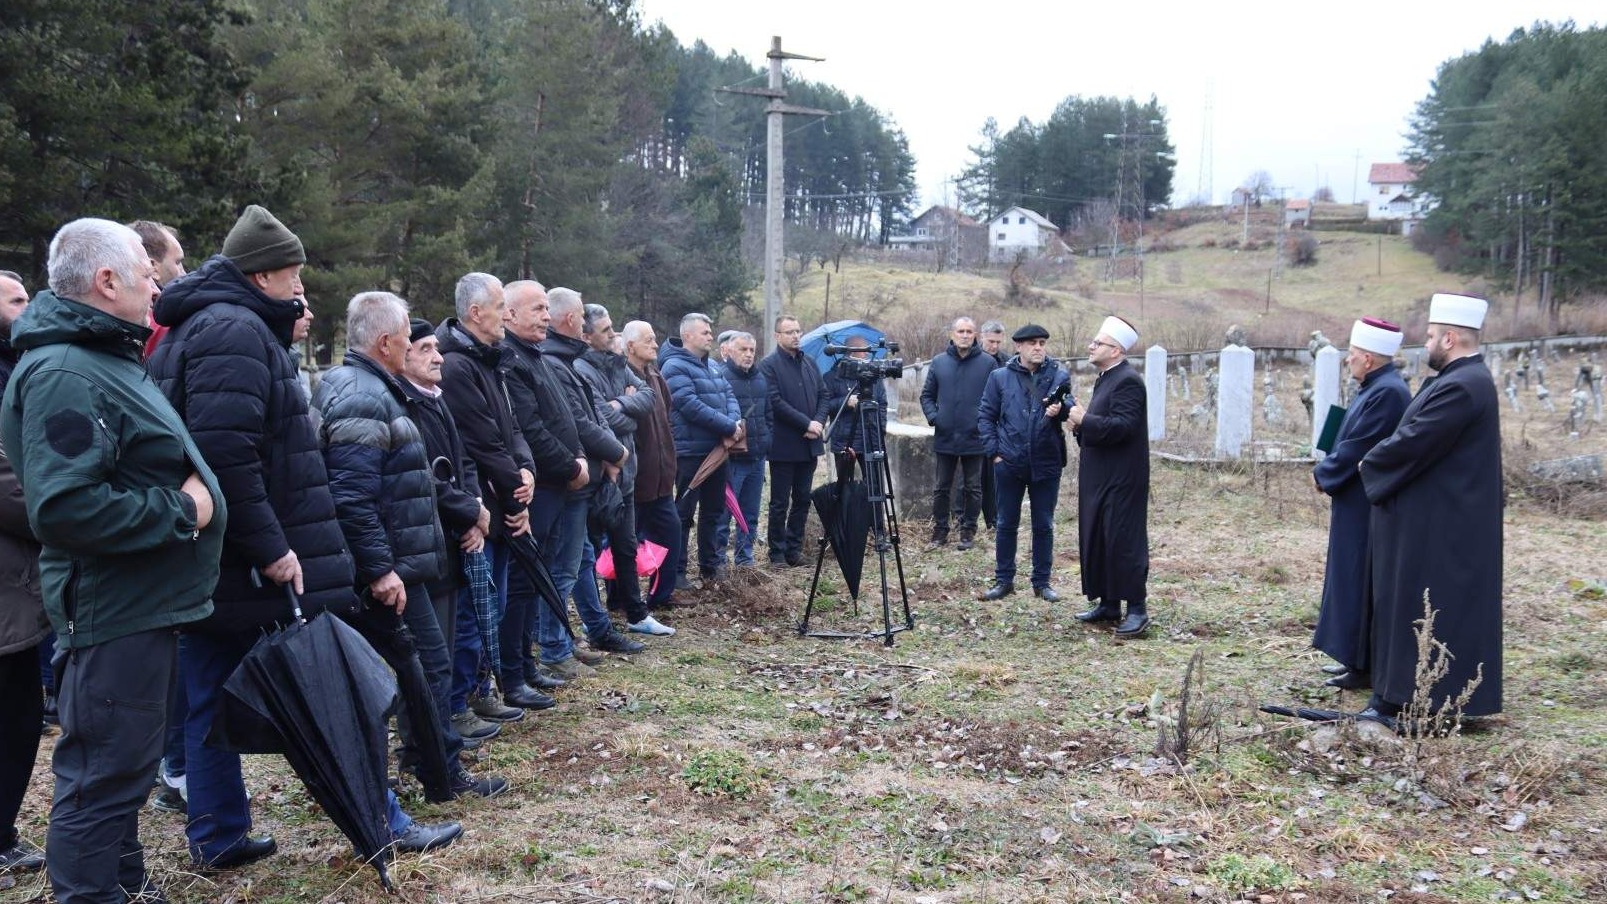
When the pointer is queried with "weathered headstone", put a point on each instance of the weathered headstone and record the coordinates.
(1544, 395)
(1512, 393)
(914, 468)
(1271, 408)
(1235, 400)
(1324, 391)
(1155, 390)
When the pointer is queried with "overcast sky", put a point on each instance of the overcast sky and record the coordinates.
(1311, 93)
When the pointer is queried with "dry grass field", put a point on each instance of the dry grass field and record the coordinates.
(1002, 752)
(1005, 753)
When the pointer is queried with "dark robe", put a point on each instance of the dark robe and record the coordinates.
(1113, 489)
(1436, 488)
(1372, 417)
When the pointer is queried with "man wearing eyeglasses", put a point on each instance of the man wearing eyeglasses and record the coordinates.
(1113, 484)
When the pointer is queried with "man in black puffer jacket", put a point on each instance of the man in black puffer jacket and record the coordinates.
(226, 368)
(379, 473)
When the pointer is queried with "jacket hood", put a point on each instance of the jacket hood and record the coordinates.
(393, 383)
(562, 346)
(219, 281)
(53, 320)
(674, 349)
(955, 351)
(453, 336)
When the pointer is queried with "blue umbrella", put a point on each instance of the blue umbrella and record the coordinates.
(836, 333)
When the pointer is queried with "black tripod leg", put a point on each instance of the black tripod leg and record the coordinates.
(820, 562)
(898, 555)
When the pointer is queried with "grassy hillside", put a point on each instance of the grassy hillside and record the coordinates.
(1197, 282)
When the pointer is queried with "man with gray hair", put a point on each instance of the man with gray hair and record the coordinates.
(474, 382)
(991, 338)
(131, 522)
(623, 400)
(656, 516)
(703, 414)
(379, 474)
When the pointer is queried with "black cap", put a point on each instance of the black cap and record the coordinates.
(419, 328)
(1029, 332)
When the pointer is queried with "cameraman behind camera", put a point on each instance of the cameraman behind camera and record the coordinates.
(841, 382)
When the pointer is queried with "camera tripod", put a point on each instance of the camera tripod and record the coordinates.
(869, 451)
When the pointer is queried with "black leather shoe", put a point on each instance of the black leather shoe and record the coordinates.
(422, 838)
(526, 697)
(965, 543)
(1335, 669)
(1100, 613)
(615, 642)
(1047, 594)
(997, 592)
(1371, 714)
(1351, 681)
(542, 681)
(247, 851)
(1135, 624)
(796, 561)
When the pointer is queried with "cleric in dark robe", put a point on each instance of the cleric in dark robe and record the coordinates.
(1113, 484)
(1371, 418)
(1436, 489)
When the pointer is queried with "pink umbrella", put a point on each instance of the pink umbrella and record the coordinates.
(735, 509)
(649, 556)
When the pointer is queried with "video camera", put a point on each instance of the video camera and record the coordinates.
(1060, 394)
(869, 370)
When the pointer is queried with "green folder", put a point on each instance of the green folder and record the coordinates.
(1330, 428)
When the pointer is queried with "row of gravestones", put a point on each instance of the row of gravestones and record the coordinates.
(1231, 391)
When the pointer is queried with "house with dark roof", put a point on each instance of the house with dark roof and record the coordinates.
(942, 229)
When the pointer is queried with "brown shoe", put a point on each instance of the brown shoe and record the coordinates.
(589, 657)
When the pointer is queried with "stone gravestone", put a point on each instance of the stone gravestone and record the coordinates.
(1235, 400)
(914, 468)
(1324, 392)
(1155, 390)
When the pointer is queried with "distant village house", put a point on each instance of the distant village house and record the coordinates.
(1297, 213)
(943, 230)
(1019, 230)
(1391, 195)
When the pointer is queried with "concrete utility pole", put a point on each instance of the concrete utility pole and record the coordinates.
(774, 250)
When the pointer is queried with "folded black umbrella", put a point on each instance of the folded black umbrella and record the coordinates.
(845, 512)
(528, 556)
(317, 693)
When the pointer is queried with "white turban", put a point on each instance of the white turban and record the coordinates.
(1120, 330)
(1457, 310)
(1377, 336)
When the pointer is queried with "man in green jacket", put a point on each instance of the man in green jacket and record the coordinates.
(131, 524)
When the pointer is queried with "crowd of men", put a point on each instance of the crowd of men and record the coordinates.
(450, 488)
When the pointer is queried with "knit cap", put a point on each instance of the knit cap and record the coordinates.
(259, 243)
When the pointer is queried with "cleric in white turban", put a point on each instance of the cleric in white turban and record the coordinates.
(1372, 417)
(1435, 485)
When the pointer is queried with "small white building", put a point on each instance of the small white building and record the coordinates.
(1297, 213)
(1391, 196)
(1016, 230)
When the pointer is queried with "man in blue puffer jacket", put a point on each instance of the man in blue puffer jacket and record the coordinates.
(703, 414)
(1026, 443)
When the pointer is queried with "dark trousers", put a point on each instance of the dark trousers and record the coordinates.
(1042, 493)
(968, 505)
(20, 716)
(178, 709)
(657, 520)
(709, 502)
(423, 695)
(625, 590)
(113, 703)
(990, 496)
(219, 814)
(790, 482)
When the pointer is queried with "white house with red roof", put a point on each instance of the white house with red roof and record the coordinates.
(1391, 196)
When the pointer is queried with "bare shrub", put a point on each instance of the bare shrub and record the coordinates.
(1183, 728)
(1303, 250)
(1209, 242)
(1161, 244)
(1018, 290)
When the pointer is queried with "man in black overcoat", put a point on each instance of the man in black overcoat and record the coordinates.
(1113, 484)
(1372, 417)
(798, 411)
(1436, 488)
